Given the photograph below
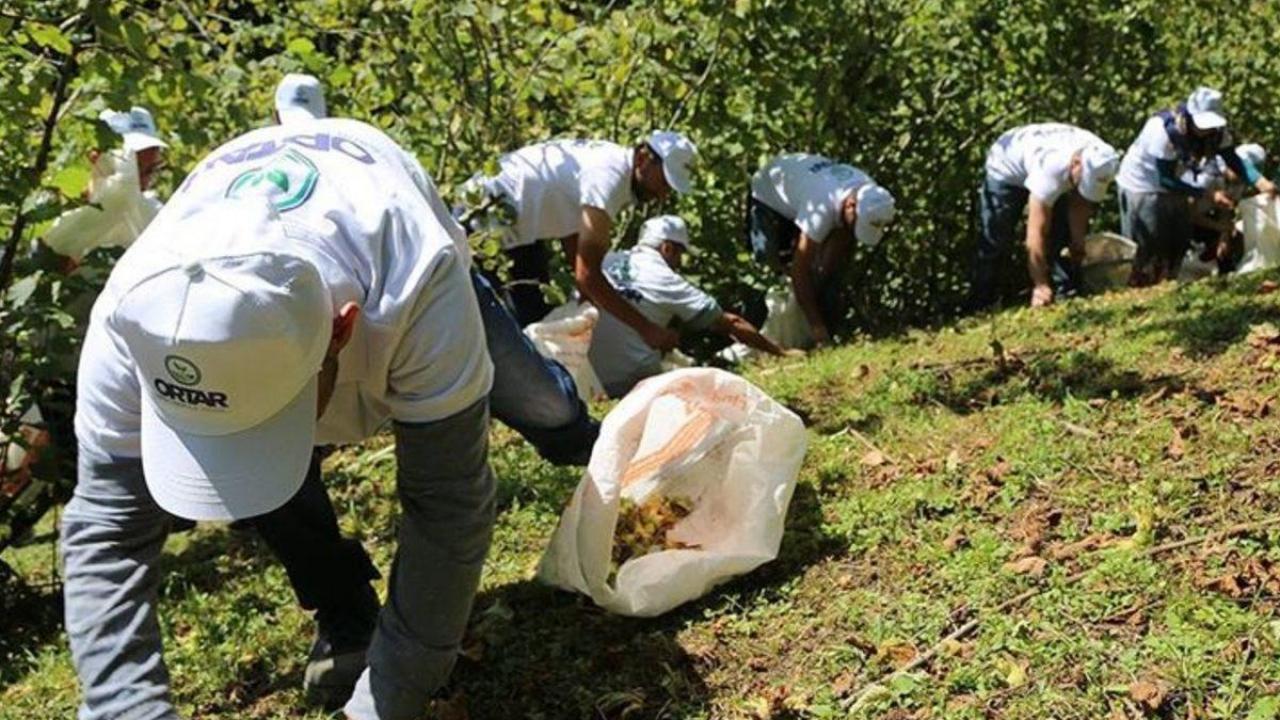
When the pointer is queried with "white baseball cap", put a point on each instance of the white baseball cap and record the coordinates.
(664, 227)
(300, 97)
(227, 338)
(677, 154)
(1205, 108)
(876, 208)
(136, 127)
(1254, 153)
(1099, 164)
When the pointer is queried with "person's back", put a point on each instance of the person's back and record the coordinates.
(808, 190)
(618, 354)
(1038, 157)
(377, 243)
(551, 181)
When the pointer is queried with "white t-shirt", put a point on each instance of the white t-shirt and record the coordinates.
(1138, 170)
(549, 183)
(379, 234)
(618, 354)
(807, 190)
(1038, 158)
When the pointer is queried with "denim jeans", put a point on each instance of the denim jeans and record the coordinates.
(1001, 208)
(772, 239)
(532, 394)
(113, 532)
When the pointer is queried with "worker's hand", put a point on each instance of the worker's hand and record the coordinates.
(1266, 186)
(1223, 200)
(661, 338)
(1041, 296)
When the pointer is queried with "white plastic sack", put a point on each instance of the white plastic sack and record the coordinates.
(704, 435)
(785, 325)
(118, 213)
(564, 335)
(1261, 219)
(1108, 259)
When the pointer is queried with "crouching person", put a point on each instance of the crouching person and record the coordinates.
(1058, 173)
(648, 277)
(803, 212)
(300, 289)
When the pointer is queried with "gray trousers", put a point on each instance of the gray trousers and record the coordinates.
(1160, 224)
(113, 532)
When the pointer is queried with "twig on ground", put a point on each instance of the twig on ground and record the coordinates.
(870, 445)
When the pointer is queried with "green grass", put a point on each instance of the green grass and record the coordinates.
(1083, 436)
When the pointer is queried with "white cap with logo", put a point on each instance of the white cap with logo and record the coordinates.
(228, 340)
(1099, 164)
(300, 97)
(876, 208)
(136, 127)
(678, 154)
(1205, 107)
(664, 227)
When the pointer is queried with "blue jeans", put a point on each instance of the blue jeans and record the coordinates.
(772, 239)
(113, 532)
(1001, 208)
(532, 394)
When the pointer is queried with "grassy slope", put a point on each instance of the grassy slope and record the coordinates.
(1112, 425)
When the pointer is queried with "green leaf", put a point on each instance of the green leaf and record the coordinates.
(50, 37)
(72, 180)
(22, 289)
(301, 47)
(1267, 708)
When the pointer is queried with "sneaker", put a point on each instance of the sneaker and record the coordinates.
(337, 656)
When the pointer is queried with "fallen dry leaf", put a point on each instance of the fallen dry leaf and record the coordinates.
(1149, 693)
(1176, 448)
(956, 540)
(1268, 286)
(874, 458)
(1032, 565)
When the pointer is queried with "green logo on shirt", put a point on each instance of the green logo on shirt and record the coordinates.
(287, 181)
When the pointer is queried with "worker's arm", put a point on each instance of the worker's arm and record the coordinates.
(746, 333)
(802, 265)
(1246, 170)
(588, 272)
(1038, 216)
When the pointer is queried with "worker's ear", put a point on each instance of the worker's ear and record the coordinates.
(344, 324)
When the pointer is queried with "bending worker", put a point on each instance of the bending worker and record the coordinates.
(325, 253)
(1154, 211)
(802, 214)
(572, 191)
(1058, 173)
(648, 276)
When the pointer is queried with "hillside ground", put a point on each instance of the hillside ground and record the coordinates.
(1024, 478)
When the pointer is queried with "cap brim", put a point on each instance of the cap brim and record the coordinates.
(678, 180)
(1093, 191)
(866, 233)
(1208, 120)
(138, 142)
(295, 113)
(229, 477)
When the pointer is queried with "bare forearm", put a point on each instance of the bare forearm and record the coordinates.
(746, 333)
(1037, 252)
(596, 287)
